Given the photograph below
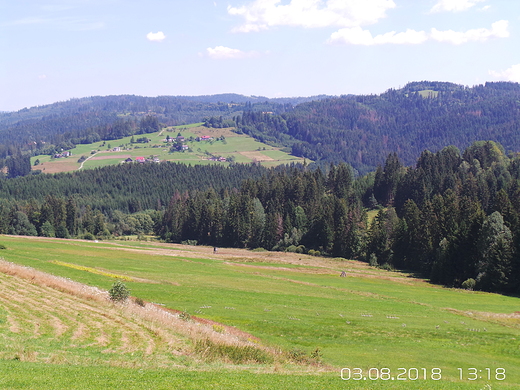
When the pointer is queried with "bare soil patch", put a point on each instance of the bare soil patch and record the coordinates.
(62, 165)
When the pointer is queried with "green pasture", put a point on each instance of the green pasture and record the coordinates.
(19, 375)
(369, 319)
(429, 93)
(237, 146)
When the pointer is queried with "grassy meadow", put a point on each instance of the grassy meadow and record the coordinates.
(240, 147)
(306, 320)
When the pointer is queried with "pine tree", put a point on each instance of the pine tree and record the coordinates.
(495, 254)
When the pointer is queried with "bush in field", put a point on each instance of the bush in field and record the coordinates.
(469, 284)
(119, 292)
(185, 316)
(387, 267)
(89, 236)
(238, 354)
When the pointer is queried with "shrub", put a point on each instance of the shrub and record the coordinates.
(291, 248)
(238, 354)
(89, 236)
(469, 284)
(2, 246)
(219, 328)
(316, 355)
(387, 267)
(185, 316)
(372, 260)
(119, 292)
(139, 302)
(298, 355)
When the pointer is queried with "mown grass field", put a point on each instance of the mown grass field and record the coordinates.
(297, 303)
(242, 148)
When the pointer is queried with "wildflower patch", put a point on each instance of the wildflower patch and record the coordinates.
(93, 270)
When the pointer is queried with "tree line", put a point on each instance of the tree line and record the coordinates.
(452, 217)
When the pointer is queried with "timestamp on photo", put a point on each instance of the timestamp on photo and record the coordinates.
(422, 373)
(486, 373)
(387, 374)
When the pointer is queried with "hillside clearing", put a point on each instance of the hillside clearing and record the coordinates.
(240, 148)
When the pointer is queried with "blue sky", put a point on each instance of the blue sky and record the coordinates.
(54, 50)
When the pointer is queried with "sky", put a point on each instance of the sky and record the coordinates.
(55, 50)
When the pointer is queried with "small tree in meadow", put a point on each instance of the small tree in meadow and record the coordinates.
(119, 292)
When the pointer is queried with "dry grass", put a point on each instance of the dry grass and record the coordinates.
(258, 156)
(507, 319)
(45, 307)
(64, 165)
(244, 257)
(226, 132)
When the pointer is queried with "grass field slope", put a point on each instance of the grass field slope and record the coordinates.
(204, 146)
(298, 322)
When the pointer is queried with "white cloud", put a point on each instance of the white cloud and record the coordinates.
(264, 14)
(225, 53)
(156, 37)
(498, 30)
(454, 5)
(358, 36)
(511, 74)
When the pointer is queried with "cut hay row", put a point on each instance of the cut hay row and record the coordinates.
(50, 319)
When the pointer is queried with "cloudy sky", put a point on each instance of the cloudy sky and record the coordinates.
(53, 50)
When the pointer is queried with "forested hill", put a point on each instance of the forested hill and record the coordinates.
(128, 188)
(363, 130)
(360, 130)
(86, 120)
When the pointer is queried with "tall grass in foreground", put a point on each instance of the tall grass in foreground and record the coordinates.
(208, 342)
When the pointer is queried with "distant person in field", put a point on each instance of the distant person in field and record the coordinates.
(215, 250)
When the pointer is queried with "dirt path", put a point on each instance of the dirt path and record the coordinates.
(84, 161)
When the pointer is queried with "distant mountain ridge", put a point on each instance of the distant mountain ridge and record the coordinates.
(76, 119)
(362, 130)
(358, 129)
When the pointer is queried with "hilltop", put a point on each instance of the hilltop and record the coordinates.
(360, 130)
